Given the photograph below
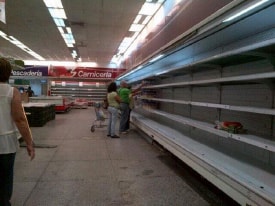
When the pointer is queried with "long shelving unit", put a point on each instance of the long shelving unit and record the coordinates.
(248, 184)
(90, 91)
(224, 78)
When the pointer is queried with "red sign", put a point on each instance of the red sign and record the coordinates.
(86, 73)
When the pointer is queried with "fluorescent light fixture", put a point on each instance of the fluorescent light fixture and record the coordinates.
(146, 20)
(137, 19)
(245, 10)
(59, 22)
(139, 26)
(60, 63)
(69, 45)
(2, 34)
(57, 13)
(20, 45)
(149, 9)
(136, 27)
(69, 30)
(68, 38)
(53, 3)
(61, 30)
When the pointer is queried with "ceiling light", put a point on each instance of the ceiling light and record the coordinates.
(61, 30)
(245, 10)
(59, 22)
(53, 3)
(128, 45)
(69, 30)
(146, 20)
(136, 27)
(20, 45)
(149, 9)
(69, 45)
(57, 13)
(138, 17)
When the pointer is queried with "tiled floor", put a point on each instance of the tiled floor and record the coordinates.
(90, 169)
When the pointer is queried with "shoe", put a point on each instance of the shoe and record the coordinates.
(124, 132)
(108, 135)
(115, 136)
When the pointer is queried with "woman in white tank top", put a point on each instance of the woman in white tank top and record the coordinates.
(12, 122)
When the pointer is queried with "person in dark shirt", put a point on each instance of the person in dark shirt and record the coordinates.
(30, 92)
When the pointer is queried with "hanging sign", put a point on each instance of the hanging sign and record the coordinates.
(86, 73)
(31, 72)
(2, 11)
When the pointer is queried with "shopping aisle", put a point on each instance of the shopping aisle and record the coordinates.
(89, 169)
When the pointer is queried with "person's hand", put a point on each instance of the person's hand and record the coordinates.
(31, 151)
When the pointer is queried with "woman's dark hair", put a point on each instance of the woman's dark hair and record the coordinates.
(5, 70)
(112, 87)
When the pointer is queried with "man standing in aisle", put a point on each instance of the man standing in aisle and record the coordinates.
(124, 93)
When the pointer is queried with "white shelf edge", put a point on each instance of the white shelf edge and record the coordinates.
(249, 139)
(218, 106)
(244, 189)
(249, 77)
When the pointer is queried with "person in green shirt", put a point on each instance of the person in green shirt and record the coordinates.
(124, 94)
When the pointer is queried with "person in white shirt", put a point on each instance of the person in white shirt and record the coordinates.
(12, 122)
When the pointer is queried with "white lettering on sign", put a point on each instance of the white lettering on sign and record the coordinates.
(91, 74)
(27, 73)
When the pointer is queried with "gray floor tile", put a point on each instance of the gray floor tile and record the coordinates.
(21, 192)
(78, 170)
(75, 193)
(90, 169)
(160, 191)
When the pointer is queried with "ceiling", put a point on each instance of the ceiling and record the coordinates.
(98, 27)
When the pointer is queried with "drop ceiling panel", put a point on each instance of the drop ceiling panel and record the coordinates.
(98, 27)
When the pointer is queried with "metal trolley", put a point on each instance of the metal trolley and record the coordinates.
(100, 116)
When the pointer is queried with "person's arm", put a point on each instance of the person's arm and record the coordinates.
(118, 99)
(136, 90)
(21, 122)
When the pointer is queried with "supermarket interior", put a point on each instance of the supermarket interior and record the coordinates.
(202, 129)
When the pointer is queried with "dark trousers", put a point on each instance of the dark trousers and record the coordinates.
(128, 121)
(6, 178)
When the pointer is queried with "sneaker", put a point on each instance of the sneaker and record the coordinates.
(115, 136)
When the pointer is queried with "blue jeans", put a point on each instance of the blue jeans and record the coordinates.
(6, 178)
(124, 117)
(113, 114)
